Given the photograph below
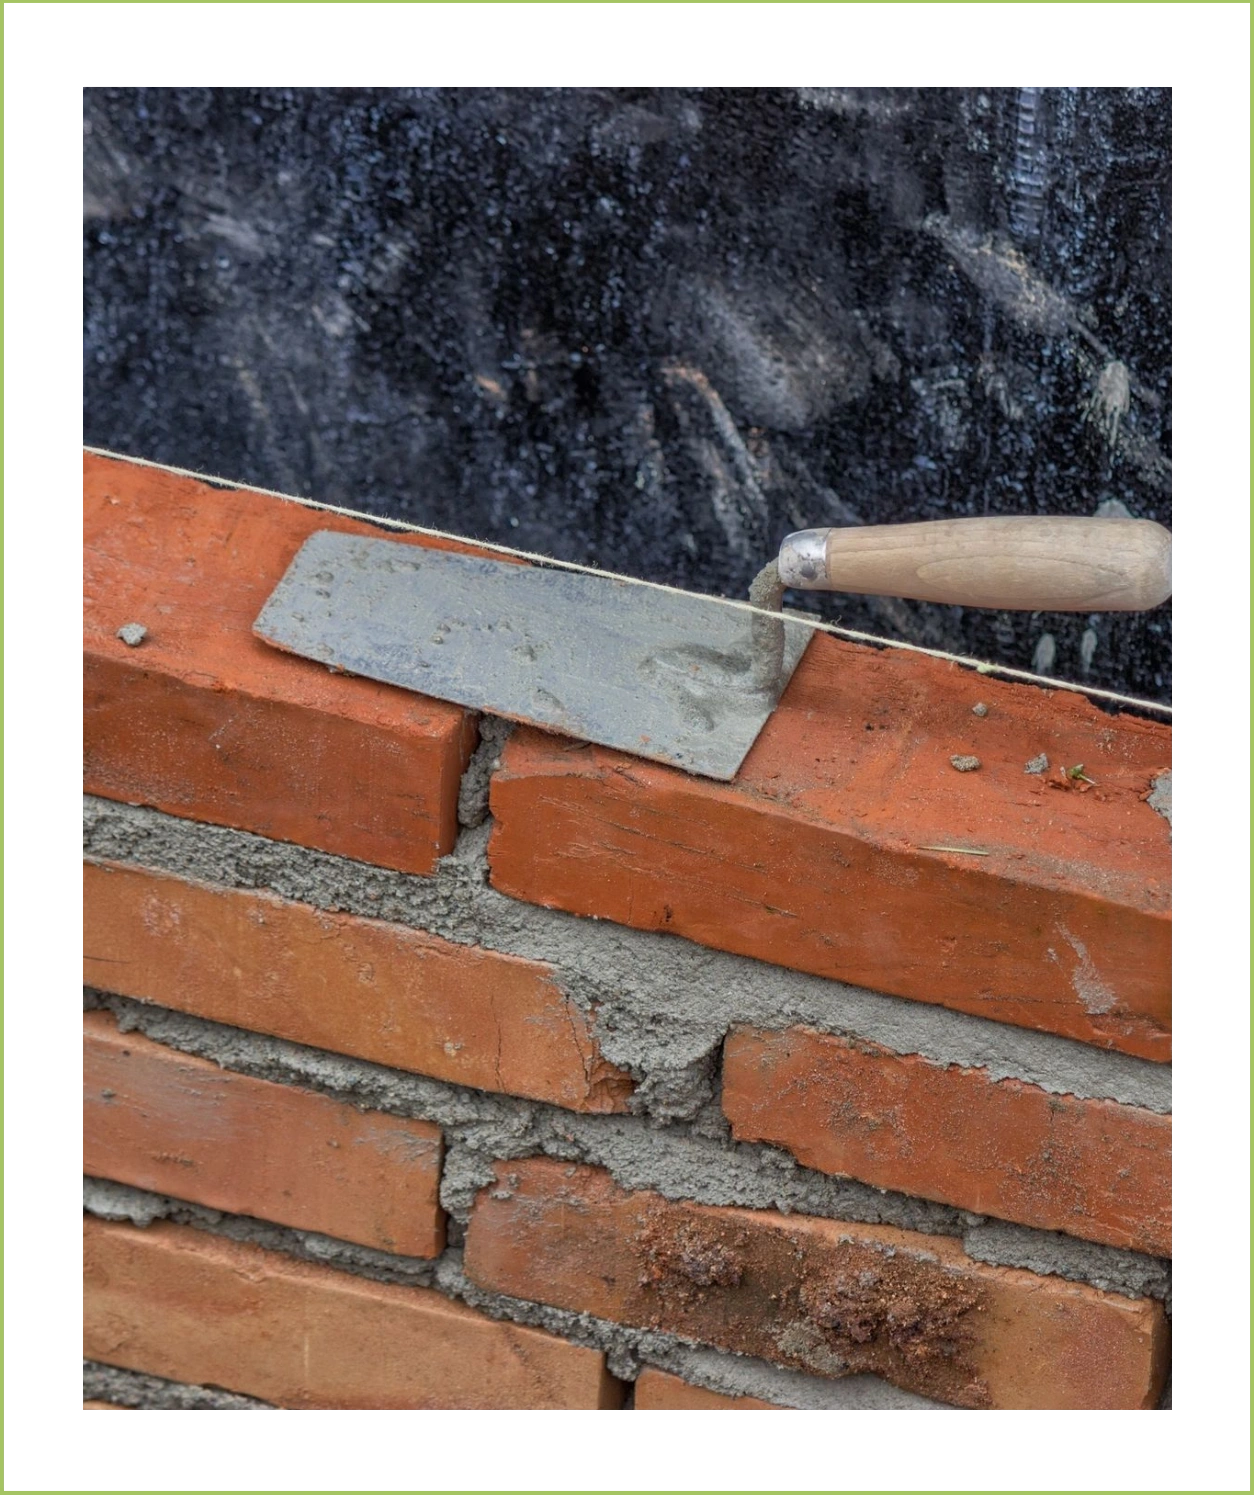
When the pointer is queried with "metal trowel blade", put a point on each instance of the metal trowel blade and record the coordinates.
(663, 675)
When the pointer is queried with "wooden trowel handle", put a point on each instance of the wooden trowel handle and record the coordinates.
(1054, 564)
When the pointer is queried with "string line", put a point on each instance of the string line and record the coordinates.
(982, 667)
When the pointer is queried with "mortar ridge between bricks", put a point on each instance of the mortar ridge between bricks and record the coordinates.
(627, 1350)
(137, 1389)
(481, 1128)
(660, 1004)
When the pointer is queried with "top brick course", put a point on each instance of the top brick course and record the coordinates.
(820, 856)
(203, 720)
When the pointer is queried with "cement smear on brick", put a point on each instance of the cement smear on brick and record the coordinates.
(661, 1004)
(1159, 798)
(676, 1160)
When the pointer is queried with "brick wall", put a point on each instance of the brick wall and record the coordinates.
(433, 1064)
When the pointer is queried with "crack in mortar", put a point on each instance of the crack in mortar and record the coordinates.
(660, 1004)
(676, 1161)
(627, 1351)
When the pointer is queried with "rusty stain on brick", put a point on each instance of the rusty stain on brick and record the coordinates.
(871, 1311)
(699, 1254)
(897, 1315)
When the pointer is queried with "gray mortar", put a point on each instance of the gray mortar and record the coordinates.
(677, 1160)
(472, 798)
(1108, 1268)
(661, 1004)
(135, 1389)
(481, 1128)
(120, 1202)
(1159, 798)
(627, 1351)
(744, 1376)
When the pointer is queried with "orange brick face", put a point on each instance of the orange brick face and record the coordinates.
(657, 1390)
(1094, 1169)
(163, 1121)
(356, 986)
(203, 720)
(177, 1303)
(827, 1297)
(818, 856)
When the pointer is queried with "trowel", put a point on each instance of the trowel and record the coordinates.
(667, 675)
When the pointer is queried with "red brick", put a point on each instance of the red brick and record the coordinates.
(205, 721)
(827, 1297)
(181, 1304)
(168, 1122)
(658, 1390)
(356, 986)
(1094, 1169)
(816, 856)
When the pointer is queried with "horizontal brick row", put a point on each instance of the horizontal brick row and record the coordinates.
(205, 721)
(1094, 1169)
(191, 1307)
(833, 851)
(359, 987)
(822, 1296)
(177, 1125)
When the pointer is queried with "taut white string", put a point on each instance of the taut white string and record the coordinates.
(982, 667)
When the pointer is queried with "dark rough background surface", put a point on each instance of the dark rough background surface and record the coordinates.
(653, 330)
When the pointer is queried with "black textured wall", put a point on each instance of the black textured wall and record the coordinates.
(653, 329)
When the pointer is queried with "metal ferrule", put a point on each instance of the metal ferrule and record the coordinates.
(803, 559)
